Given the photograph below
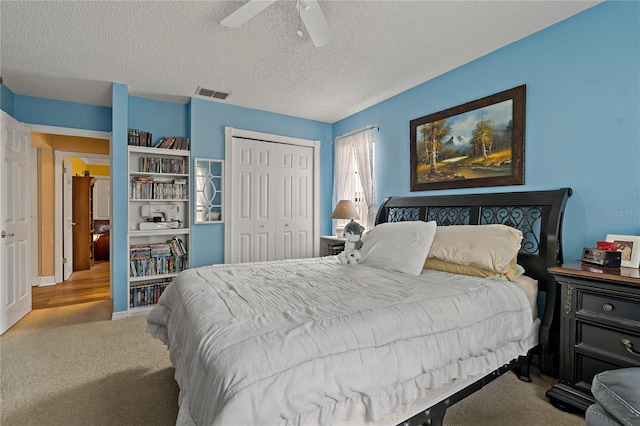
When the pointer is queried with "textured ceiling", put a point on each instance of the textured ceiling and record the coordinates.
(166, 50)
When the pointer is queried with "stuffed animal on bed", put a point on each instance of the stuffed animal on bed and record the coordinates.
(351, 253)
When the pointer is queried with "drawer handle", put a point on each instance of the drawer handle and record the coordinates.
(608, 307)
(627, 344)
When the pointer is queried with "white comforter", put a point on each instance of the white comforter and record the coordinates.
(304, 341)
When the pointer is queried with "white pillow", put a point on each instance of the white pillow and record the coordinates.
(398, 246)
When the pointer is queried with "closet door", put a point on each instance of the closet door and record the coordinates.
(294, 201)
(265, 223)
(253, 225)
(272, 199)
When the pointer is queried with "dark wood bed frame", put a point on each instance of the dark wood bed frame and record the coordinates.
(539, 215)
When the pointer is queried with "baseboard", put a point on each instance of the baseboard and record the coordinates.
(131, 313)
(46, 281)
(119, 315)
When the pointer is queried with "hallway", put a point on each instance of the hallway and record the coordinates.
(82, 286)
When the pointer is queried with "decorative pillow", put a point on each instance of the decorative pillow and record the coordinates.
(436, 264)
(398, 246)
(491, 247)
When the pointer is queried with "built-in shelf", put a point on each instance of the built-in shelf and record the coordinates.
(154, 250)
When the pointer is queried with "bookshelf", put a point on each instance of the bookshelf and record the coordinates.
(159, 206)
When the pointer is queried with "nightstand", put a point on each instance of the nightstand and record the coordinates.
(330, 245)
(599, 328)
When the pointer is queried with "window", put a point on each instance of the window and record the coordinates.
(353, 174)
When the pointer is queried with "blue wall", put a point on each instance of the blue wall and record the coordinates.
(158, 117)
(6, 99)
(208, 120)
(49, 112)
(120, 194)
(582, 131)
(582, 118)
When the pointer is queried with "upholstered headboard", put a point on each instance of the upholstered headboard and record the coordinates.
(538, 214)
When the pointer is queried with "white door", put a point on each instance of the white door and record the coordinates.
(15, 264)
(264, 185)
(294, 201)
(67, 210)
(253, 227)
(272, 215)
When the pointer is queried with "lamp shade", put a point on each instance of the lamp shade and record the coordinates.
(345, 209)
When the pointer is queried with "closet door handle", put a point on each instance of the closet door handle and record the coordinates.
(627, 344)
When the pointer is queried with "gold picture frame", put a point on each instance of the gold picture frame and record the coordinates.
(477, 144)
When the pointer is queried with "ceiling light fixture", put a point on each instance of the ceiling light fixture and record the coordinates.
(309, 12)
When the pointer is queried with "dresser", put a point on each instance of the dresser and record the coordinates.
(599, 328)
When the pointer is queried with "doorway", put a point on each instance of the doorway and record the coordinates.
(89, 152)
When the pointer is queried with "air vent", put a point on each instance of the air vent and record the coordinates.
(211, 93)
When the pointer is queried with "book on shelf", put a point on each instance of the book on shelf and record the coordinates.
(173, 142)
(147, 294)
(148, 189)
(139, 138)
(157, 258)
(163, 165)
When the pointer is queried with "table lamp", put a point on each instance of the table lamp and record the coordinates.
(345, 209)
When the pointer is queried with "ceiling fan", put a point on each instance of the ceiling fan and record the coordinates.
(309, 11)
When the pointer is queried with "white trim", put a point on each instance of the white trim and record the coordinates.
(119, 315)
(34, 236)
(228, 157)
(46, 281)
(268, 137)
(132, 312)
(69, 131)
(229, 134)
(316, 198)
(58, 228)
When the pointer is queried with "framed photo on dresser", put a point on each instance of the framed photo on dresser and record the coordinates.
(629, 245)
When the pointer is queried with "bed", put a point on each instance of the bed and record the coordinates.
(395, 339)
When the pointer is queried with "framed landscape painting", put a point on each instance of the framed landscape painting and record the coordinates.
(477, 144)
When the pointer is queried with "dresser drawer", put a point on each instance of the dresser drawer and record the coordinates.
(609, 307)
(609, 341)
(586, 368)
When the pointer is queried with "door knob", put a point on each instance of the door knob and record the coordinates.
(10, 234)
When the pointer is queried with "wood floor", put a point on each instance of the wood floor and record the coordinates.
(81, 287)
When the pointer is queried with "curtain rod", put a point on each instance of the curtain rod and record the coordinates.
(356, 132)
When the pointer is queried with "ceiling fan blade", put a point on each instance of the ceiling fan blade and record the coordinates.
(246, 12)
(316, 23)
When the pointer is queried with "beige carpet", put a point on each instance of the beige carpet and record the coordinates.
(74, 366)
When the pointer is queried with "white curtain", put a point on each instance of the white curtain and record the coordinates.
(342, 173)
(353, 154)
(363, 152)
